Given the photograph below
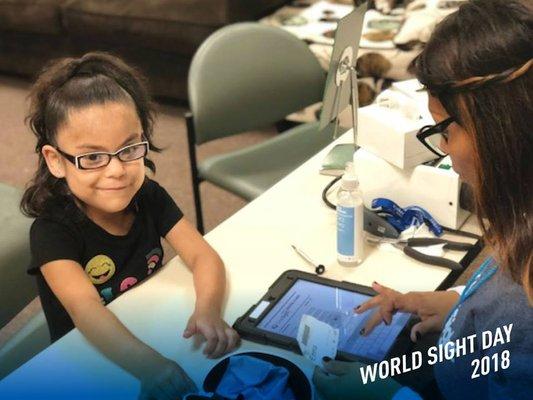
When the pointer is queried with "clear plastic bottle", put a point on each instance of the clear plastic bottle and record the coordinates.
(350, 239)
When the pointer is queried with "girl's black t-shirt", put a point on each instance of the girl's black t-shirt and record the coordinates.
(113, 263)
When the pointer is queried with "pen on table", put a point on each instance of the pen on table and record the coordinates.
(319, 268)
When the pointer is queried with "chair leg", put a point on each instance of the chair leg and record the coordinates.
(198, 206)
(196, 180)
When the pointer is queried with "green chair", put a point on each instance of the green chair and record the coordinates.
(17, 288)
(244, 77)
(30, 340)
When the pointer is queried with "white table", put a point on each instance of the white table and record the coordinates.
(255, 246)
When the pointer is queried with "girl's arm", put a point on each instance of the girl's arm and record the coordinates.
(209, 283)
(158, 375)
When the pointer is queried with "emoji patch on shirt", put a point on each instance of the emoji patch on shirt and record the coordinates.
(100, 269)
(153, 258)
(127, 283)
(106, 295)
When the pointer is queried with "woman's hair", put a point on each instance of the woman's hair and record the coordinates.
(478, 63)
(74, 83)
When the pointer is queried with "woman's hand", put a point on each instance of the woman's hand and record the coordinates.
(221, 338)
(166, 380)
(342, 381)
(431, 307)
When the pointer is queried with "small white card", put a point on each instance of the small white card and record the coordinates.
(317, 339)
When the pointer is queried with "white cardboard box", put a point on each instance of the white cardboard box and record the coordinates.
(391, 135)
(388, 127)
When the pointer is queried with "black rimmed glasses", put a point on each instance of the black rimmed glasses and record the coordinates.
(101, 159)
(431, 136)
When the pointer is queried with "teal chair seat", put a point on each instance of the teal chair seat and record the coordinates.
(30, 340)
(250, 171)
(17, 288)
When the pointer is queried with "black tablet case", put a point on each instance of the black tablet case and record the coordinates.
(247, 327)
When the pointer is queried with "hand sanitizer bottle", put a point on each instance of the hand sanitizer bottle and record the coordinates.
(350, 240)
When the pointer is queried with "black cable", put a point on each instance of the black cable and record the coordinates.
(459, 232)
(326, 190)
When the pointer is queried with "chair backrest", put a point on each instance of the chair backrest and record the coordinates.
(247, 76)
(17, 289)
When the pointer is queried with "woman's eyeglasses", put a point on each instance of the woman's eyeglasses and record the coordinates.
(100, 159)
(432, 135)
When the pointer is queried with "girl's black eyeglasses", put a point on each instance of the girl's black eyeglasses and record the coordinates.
(101, 159)
(432, 135)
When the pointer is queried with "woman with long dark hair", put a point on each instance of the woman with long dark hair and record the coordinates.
(477, 68)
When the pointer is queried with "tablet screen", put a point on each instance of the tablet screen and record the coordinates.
(335, 307)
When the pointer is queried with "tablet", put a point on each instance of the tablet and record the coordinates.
(276, 317)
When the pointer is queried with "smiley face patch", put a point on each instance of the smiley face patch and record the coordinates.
(127, 283)
(100, 269)
(106, 295)
(152, 259)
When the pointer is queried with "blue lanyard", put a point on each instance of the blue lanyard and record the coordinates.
(482, 275)
(403, 218)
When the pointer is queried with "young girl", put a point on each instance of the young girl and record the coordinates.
(478, 69)
(99, 219)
